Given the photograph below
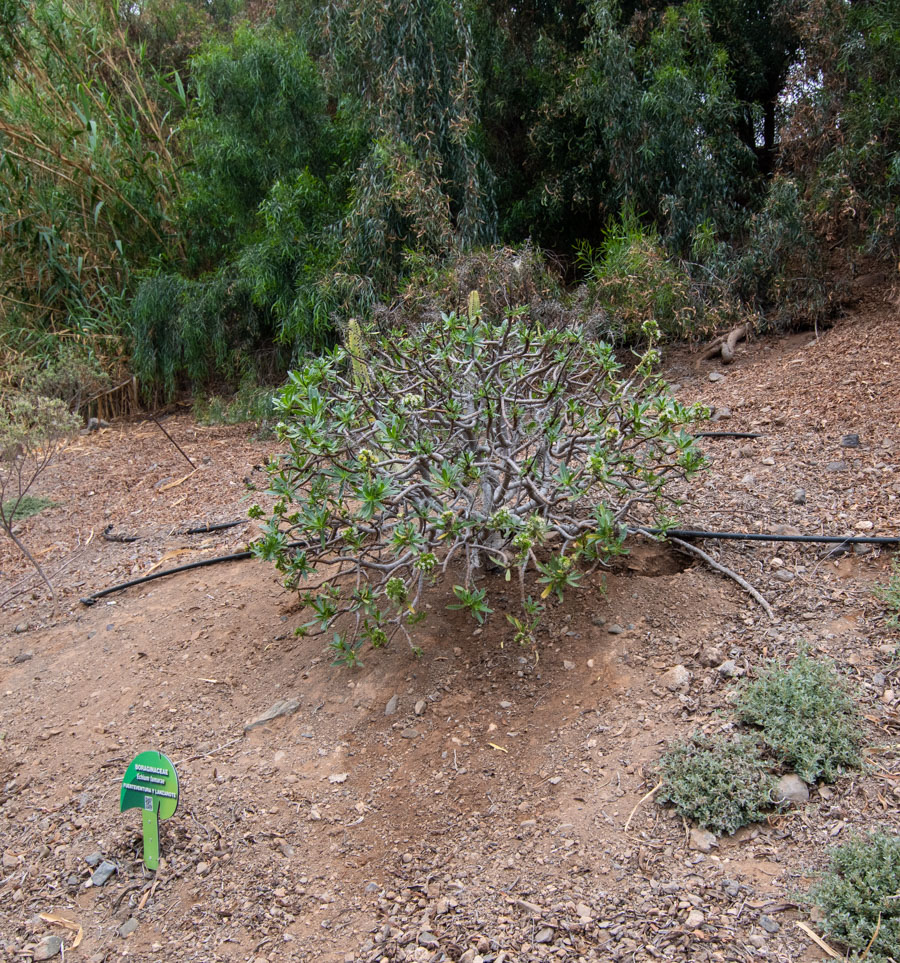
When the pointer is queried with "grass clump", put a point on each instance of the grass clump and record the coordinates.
(19, 509)
(859, 896)
(808, 718)
(890, 595)
(723, 783)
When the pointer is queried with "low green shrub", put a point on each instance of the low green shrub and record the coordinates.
(512, 446)
(806, 715)
(889, 593)
(723, 783)
(859, 896)
(251, 403)
(32, 430)
(17, 510)
(504, 277)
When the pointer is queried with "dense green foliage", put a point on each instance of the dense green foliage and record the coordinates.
(889, 593)
(858, 895)
(723, 783)
(807, 717)
(32, 429)
(204, 191)
(464, 445)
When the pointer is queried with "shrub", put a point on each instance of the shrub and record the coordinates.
(504, 277)
(510, 445)
(807, 716)
(631, 278)
(31, 430)
(858, 895)
(890, 595)
(723, 783)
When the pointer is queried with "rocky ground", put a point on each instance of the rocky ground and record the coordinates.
(482, 802)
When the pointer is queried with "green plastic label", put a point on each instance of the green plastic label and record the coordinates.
(151, 785)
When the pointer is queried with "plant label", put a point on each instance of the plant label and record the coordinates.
(151, 785)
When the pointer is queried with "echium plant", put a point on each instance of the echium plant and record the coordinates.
(510, 446)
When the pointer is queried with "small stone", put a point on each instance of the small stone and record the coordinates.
(545, 935)
(721, 414)
(836, 466)
(599, 621)
(128, 927)
(768, 924)
(887, 696)
(749, 479)
(825, 792)
(338, 777)
(850, 441)
(567, 665)
(879, 679)
(791, 789)
(694, 919)
(202, 869)
(583, 911)
(407, 858)
(703, 840)
(506, 704)
(615, 630)
(799, 496)
(409, 733)
(420, 707)
(757, 940)
(861, 548)
(47, 948)
(768, 462)
(102, 873)
(710, 656)
(314, 815)
(10, 860)
(21, 627)
(427, 938)
(372, 887)
(22, 657)
(715, 376)
(730, 669)
(468, 956)
(284, 707)
(887, 648)
(784, 575)
(782, 529)
(95, 859)
(286, 849)
(865, 526)
(391, 706)
(676, 678)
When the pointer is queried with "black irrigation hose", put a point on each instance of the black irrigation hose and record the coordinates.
(202, 529)
(237, 557)
(754, 537)
(674, 532)
(728, 434)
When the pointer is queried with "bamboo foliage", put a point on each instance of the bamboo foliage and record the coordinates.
(424, 183)
(87, 169)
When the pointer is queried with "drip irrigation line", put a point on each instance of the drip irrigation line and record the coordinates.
(674, 532)
(175, 443)
(757, 537)
(237, 557)
(203, 563)
(728, 434)
(202, 529)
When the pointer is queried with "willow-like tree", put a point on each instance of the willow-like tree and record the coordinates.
(424, 184)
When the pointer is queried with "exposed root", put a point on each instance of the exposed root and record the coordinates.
(725, 344)
(719, 567)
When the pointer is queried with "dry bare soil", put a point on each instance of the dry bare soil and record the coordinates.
(487, 818)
